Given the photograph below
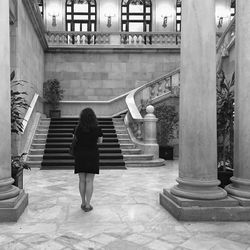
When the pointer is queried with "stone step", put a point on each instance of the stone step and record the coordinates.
(39, 141)
(40, 136)
(36, 151)
(120, 126)
(35, 158)
(121, 131)
(34, 164)
(139, 157)
(152, 163)
(38, 146)
(124, 140)
(126, 151)
(42, 131)
(127, 145)
(123, 136)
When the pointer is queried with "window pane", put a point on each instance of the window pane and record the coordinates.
(69, 27)
(92, 27)
(92, 9)
(68, 8)
(178, 17)
(84, 27)
(135, 17)
(136, 27)
(124, 9)
(124, 17)
(92, 17)
(81, 7)
(79, 17)
(69, 17)
(77, 27)
(135, 8)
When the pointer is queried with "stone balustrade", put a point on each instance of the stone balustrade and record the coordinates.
(140, 99)
(71, 38)
(224, 44)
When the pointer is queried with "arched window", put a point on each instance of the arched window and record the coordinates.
(178, 15)
(40, 4)
(136, 15)
(233, 8)
(81, 15)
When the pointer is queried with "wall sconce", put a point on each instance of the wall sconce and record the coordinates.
(109, 16)
(165, 21)
(54, 15)
(220, 20)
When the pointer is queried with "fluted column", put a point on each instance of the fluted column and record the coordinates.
(241, 180)
(12, 200)
(198, 146)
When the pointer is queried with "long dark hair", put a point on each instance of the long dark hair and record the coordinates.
(87, 119)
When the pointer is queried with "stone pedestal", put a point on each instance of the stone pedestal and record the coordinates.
(240, 186)
(12, 200)
(150, 140)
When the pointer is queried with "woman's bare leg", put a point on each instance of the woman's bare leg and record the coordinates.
(89, 188)
(82, 186)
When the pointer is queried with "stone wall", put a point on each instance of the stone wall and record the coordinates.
(102, 76)
(27, 59)
(29, 54)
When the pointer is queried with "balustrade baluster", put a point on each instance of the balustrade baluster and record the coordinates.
(159, 89)
(132, 39)
(139, 131)
(137, 39)
(152, 91)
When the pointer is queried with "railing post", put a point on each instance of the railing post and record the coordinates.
(150, 140)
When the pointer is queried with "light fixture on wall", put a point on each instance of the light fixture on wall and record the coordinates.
(219, 22)
(54, 15)
(109, 16)
(165, 21)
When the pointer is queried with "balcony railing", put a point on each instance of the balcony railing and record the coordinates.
(71, 38)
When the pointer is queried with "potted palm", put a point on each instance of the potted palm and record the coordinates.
(167, 124)
(17, 166)
(18, 106)
(53, 93)
(225, 124)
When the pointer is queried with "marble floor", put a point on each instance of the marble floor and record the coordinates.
(126, 215)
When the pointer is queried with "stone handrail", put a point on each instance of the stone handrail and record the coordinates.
(145, 95)
(225, 42)
(73, 38)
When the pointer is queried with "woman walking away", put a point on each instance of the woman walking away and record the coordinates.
(88, 134)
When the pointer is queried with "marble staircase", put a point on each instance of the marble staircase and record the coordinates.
(36, 151)
(133, 156)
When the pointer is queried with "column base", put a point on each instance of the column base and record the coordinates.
(197, 189)
(12, 209)
(239, 187)
(227, 209)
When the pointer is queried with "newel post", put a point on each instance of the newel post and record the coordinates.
(150, 131)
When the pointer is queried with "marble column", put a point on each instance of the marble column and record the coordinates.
(240, 186)
(12, 199)
(198, 141)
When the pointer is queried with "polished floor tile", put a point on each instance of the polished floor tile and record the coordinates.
(126, 215)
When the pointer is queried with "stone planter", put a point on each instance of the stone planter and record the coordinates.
(55, 113)
(224, 177)
(166, 152)
(17, 175)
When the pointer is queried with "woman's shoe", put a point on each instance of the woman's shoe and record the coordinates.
(83, 207)
(87, 209)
